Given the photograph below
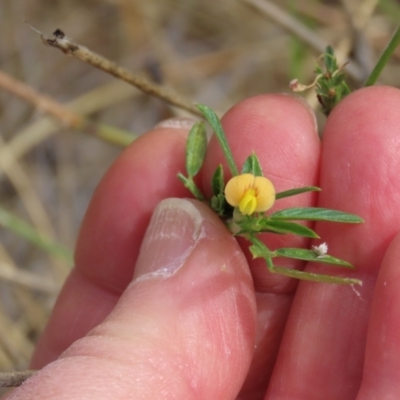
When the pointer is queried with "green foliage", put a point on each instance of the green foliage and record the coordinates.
(384, 58)
(196, 147)
(281, 222)
(316, 214)
(252, 166)
(311, 255)
(330, 85)
(294, 192)
(330, 81)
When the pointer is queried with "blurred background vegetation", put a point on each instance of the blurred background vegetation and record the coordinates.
(213, 52)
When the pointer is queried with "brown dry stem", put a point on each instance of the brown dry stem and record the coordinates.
(63, 43)
(63, 114)
(15, 378)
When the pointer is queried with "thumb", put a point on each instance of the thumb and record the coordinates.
(184, 328)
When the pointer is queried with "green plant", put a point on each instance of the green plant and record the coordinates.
(243, 203)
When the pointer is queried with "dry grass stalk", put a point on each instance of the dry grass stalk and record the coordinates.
(16, 378)
(63, 43)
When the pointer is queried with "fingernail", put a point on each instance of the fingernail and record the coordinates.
(176, 123)
(174, 230)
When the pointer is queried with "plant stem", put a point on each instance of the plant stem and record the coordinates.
(21, 228)
(14, 378)
(67, 46)
(384, 58)
(64, 115)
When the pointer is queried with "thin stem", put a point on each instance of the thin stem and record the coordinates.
(15, 378)
(63, 114)
(67, 46)
(191, 186)
(384, 58)
(21, 228)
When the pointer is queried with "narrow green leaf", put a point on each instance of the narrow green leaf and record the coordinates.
(330, 59)
(215, 123)
(345, 89)
(384, 58)
(265, 224)
(294, 192)
(196, 147)
(311, 276)
(217, 182)
(288, 227)
(252, 166)
(338, 79)
(310, 255)
(316, 214)
(21, 228)
(259, 250)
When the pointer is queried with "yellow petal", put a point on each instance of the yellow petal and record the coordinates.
(250, 193)
(265, 193)
(236, 188)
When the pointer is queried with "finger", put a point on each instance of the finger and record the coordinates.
(183, 329)
(111, 234)
(381, 370)
(282, 133)
(281, 130)
(327, 327)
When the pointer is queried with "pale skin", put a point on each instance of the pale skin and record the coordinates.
(192, 335)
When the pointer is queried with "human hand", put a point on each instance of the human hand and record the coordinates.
(190, 325)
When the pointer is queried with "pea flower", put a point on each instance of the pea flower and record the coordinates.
(250, 193)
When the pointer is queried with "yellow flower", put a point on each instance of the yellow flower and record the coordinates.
(250, 193)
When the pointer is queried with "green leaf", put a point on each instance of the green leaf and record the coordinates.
(252, 166)
(384, 58)
(217, 182)
(316, 214)
(330, 87)
(219, 206)
(310, 255)
(215, 123)
(288, 227)
(338, 79)
(252, 225)
(259, 250)
(21, 228)
(311, 276)
(330, 59)
(294, 192)
(196, 147)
